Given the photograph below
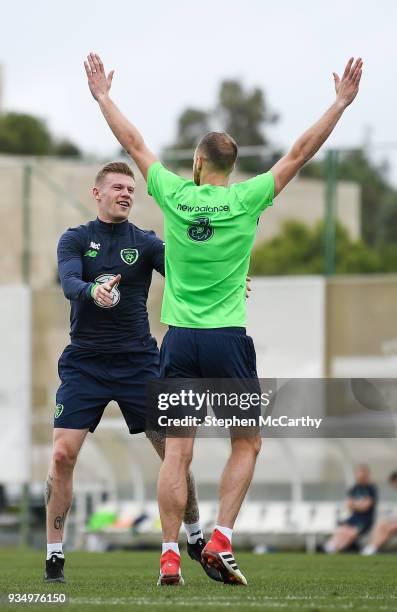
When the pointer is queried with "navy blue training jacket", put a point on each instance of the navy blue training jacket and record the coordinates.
(95, 253)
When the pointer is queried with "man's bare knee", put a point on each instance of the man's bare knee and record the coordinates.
(387, 529)
(182, 458)
(383, 525)
(64, 458)
(257, 444)
(248, 444)
(179, 454)
(66, 447)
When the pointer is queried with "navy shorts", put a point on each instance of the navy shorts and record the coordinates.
(224, 352)
(356, 521)
(89, 381)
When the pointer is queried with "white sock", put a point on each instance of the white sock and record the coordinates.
(54, 548)
(369, 549)
(193, 532)
(170, 546)
(329, 548)
(227, 531)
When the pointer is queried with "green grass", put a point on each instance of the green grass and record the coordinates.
(127, 581)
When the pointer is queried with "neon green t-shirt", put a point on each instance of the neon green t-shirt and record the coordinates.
(209, 233)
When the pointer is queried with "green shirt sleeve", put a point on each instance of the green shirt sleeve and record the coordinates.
(162, 183)
(256, 194)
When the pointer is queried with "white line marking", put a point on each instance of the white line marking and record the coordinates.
(246, 602)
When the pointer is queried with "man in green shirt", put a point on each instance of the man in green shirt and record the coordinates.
(209, 231)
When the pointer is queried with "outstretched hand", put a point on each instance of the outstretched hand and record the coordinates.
(347, 87)
(101, 293)
(98, 82)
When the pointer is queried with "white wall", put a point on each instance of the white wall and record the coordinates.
(15, 384)
(286, 318)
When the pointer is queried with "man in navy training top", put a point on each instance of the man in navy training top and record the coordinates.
(105, 267)
(361, 503)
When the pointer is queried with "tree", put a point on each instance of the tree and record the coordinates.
(22, 134)
(378, 198)
(239, 112)
(192, 124)
(66, 148)
(299, 249)
(242, 114)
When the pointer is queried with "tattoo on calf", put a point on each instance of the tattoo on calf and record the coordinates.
(192, 514)
(157, 439)
(59, 521)
(48, 489)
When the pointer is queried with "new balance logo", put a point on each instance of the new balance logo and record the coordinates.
(93, 250)
(206, 208)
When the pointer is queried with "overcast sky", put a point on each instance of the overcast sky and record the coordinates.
(168, 55)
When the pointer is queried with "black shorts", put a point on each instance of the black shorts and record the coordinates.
(224, 352)
(360, 524)
(225, 355)
(91, 380)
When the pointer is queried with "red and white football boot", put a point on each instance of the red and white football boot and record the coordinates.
(170, 569)
(218, 553)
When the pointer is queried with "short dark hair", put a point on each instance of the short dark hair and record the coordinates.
(393, 476)
(114, 167)
(220, 149)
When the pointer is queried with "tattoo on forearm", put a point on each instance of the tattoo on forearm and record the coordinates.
(192, 514)
(48, 489)
(60, 521)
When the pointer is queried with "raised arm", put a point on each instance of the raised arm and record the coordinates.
(309, 143)
(126, 133)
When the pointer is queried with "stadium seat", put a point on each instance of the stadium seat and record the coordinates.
(309, 520)
(275, 518)
(300, 517)
(250, 519)
(324, 518)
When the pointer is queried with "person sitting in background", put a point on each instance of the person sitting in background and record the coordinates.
(361, 502)
(384, 530)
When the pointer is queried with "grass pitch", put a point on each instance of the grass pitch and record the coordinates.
(127, 581)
